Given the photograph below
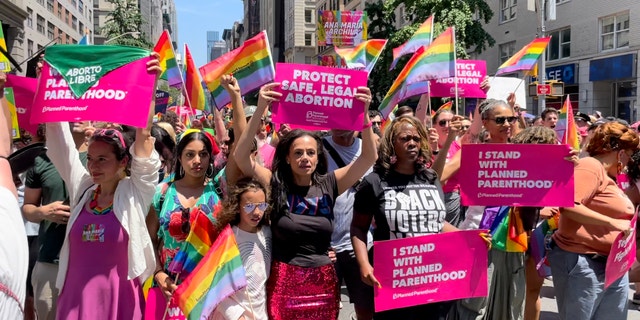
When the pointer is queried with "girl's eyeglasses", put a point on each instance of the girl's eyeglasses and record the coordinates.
(249, 207)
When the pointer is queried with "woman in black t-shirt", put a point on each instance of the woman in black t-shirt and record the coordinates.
(303, 282)
(400, 179)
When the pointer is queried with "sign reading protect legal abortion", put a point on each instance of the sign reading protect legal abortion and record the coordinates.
(427, 269)
(469, 74)
(121, 96)
(622, 255)
(319, 98)
(534, 175)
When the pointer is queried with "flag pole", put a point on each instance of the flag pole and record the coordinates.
(519, 84)
(566, 130)
(166, 309)
(455, 66)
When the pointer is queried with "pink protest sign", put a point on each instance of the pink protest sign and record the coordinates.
(24, 90)
(622, 255)
(534, 175)
(469, 74)
(428, 269)
(319, 97)
(157, 304)
(121, 96)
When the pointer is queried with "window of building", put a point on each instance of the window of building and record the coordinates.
(560, 45)
(308, 60)
(562, 1)
(307, 39)
(508, 9)
(50, 5)
(90, 15)
(40, 24)
(41, 2)
(74, 3)
(308, 16)
(507, 50)
(81, 7)
(39, 47)
(81, 28)
(74, 23)
(29, 48)
(60, 11)
(29, 18)
(614, 31)
(50, 29)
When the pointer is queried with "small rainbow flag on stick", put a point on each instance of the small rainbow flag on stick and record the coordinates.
(217, 276)
(194, 92)
(251, 64)
(432, 62)
(566, 126)
(198, 242)
(168, 63)
(421, 38)
(526, 58)
(364, 56)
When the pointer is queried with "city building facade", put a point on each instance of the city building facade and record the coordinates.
(152, 17)
(300, 31)
(170, 20)
(593, 51)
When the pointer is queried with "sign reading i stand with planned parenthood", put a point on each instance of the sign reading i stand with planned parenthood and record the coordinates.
(512, 174)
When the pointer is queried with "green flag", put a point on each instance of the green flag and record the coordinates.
(82, 66)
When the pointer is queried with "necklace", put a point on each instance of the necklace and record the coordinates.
(95, 209)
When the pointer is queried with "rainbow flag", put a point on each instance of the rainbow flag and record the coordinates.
(168, 63)
(507, 231)
(217, 276)
(5, 65)
(526, 58)
(421, 38)
(192, 83)
(364, 56)
(566, 128)
(438, 60)
(251, 64)
(198, 242)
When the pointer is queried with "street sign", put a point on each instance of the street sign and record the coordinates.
(543, 89)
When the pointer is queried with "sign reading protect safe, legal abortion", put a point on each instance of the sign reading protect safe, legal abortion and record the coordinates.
(121, 96)
(319, 97)
(622, 254)
(427, 269)
(469, 74)
(533, 175)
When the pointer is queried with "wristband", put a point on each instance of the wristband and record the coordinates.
(368, 125)
(156, 273)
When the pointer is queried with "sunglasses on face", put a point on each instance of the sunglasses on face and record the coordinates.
(443, 123)
(376, 123)
(502, 120)
(249, 207)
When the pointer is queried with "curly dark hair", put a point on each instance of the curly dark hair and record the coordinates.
(231, 211)
(535, 135)
(282, 178)
(612, 136)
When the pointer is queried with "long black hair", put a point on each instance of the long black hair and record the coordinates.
(282, 178)
(182, 143)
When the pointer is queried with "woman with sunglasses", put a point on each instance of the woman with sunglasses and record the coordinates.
(107, 251)
(506, 269)
(586, 232)
(303, 282)
(247, 211)
(447, 125)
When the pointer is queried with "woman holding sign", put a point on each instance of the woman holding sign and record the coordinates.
(586, 232)
(399, 174)
(303, 282)
(107, 251)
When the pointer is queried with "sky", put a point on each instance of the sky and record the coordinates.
(196, 17)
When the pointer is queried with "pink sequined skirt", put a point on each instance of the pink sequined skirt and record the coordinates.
(302, 293)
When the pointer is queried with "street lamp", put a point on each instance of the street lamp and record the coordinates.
(133, 33)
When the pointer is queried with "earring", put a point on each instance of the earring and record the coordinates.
(620, 167)
(181, 171)
(209, 172)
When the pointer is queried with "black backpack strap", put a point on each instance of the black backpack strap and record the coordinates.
(333, 153)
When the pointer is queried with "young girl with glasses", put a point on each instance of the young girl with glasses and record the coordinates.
(247, 210)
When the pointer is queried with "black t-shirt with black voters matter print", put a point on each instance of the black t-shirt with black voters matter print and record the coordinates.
(302, 236)
(402, 205)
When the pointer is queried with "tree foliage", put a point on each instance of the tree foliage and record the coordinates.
(466, 15)
(122, 22)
